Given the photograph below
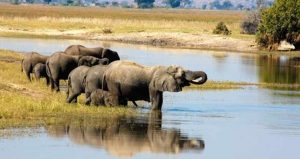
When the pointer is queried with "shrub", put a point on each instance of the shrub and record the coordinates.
(107, 31)
(144, 3)
(221, 28)
(250, 24)
(280, 22)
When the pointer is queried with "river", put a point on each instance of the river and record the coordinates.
(246, 123)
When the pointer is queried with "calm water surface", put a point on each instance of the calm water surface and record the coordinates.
(229, 124)
(221, 66)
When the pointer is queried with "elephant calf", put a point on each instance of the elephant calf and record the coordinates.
(59, 65)
(39, 71)
(100, 97)
(30, 60)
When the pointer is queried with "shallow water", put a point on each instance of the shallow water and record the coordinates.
(229, 124)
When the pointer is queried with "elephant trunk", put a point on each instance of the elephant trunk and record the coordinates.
(196, 77)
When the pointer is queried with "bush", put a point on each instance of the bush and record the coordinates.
(250, 24)
(144, 3)
(280, 22)
(221, 28)
(107, 31)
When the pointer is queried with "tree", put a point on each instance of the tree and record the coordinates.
(144, 3)
(174, 3)
(280, 22)
(14, 1)
(47, 1)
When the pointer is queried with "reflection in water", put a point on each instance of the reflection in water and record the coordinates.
(128, 137)
(279, 69)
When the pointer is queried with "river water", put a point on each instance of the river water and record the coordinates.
(230, 124)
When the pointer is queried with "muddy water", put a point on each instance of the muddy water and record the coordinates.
(240, 123)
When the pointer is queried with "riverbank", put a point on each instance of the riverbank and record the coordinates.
(173, 28)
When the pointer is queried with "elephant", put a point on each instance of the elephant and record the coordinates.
(39, 71)
(59, 65)
(30, 60)
(93, 81)
(98, 52)
(129, 136)
(131, 81)
(101, 97)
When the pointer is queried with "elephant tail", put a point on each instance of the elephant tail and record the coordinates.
(48, 72)
(68, 86)
(84, 84)
(104, 84)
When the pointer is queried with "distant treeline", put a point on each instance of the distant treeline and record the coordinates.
(201, 4)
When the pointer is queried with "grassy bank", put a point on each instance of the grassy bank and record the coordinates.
(29, 104)
(178, 28)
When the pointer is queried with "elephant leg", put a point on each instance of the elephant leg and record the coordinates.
(72, 98)
(156, 98)
(56, 85)
(47, 80)
(51, 83)
(87, 98)
(28, 75)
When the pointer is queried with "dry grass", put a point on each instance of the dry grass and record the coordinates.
(94, 19)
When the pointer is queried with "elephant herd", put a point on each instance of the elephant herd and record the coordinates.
(105, 79)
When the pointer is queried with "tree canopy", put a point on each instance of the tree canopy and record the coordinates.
(280, 22)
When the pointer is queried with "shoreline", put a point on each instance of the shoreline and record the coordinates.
(163, 40)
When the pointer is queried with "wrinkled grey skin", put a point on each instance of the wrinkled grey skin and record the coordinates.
(132, 81)
(93, 80)
(104, 98)
(98, 52)
(39, 71)
(30, 60)
(76, 83)
(59, 65)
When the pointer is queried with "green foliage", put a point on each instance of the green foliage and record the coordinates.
(226, 5)
(144, 3)
(174, 3)
(221, 28)
(250, 24)
(15, 2)
(280, 22)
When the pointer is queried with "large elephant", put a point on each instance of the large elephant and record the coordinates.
(39, 71)
(131, 81)
(59, 65)
(98, 52)
(93, 81)
(30, 60)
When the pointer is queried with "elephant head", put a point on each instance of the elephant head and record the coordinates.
(173, 78)
(91, 61)
(111, 55)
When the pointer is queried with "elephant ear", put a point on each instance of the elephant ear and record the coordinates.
(83, 61)
(175, 71)
(163, 80)
(111, 55)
